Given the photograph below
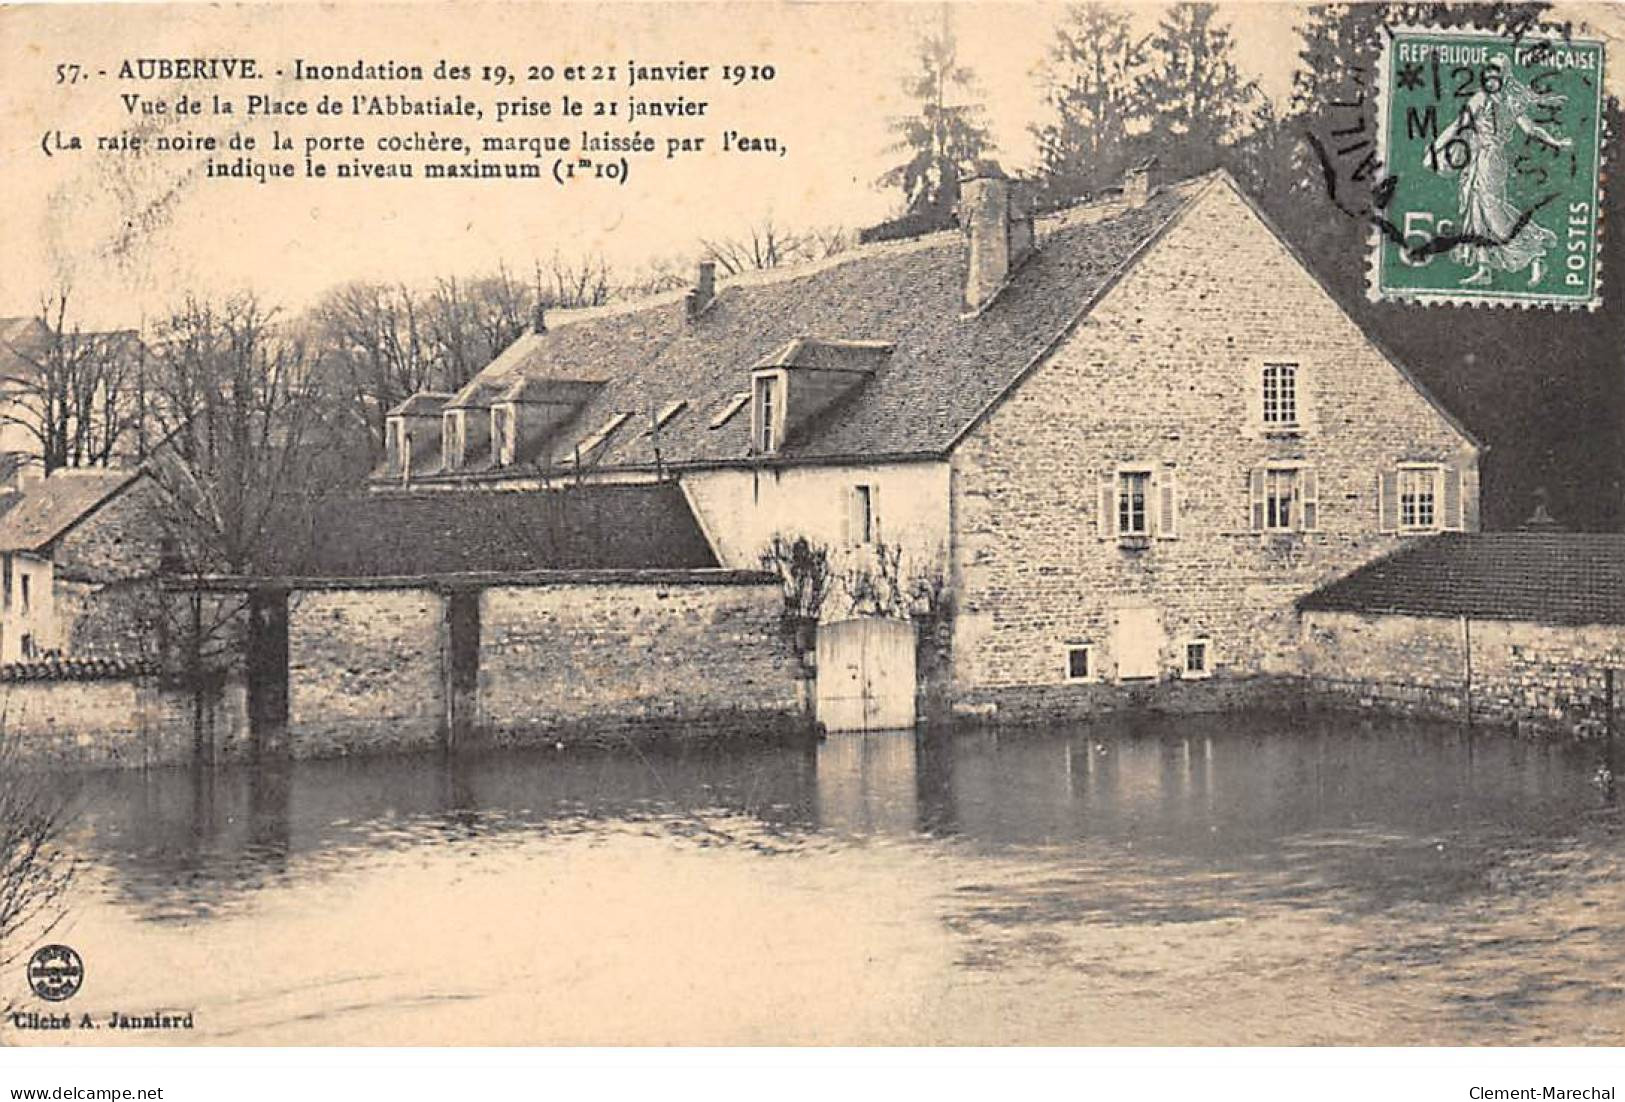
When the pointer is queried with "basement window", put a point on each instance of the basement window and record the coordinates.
(1080, 662)
(1198, 656)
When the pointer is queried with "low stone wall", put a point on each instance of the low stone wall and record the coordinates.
(1089, 700)
(80, 717)
(604, 661)
(1545, 677)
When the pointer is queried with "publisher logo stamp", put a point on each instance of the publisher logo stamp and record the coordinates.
(55, 972)
(1493, 146)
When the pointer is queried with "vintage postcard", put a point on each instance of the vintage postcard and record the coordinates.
(814, 524)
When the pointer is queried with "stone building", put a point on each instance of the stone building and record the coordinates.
(1124, 438)
(79, 555)
(1512, 628)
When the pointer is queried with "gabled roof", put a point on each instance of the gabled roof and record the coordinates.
(644, 526)
(36, 516)
(425, 403)
(1545, 577)
(943, 370)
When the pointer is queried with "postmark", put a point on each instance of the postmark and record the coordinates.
(56, 972)
(1492, 145)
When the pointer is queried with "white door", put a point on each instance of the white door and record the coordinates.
(1137, 642)
(866, 675)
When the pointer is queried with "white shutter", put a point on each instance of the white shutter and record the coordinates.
(1257, 483)
(1452, 517)
(1106, 527)
(874, 511)
(1168, 505)
(1388, 501)
(1309, 486)
(849, 528)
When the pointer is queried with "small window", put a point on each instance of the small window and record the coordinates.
(28, 648)
(1133, 493)
(1280, 395)
(768, 412)
(5, 565)
(1080, 662)
(862, 522)
(729, 408)
(667, 412)
(1198, 658)
(1418, 497)
(25, 600)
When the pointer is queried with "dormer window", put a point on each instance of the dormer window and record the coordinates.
(1280, 383)
(767, 419)
(452, 430)
(502, 441)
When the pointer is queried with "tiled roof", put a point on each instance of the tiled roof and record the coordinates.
(945, 367)
(36, 516)
(1547, 577)
(608, 527)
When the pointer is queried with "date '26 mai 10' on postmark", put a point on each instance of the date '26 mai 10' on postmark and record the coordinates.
(1493, 149)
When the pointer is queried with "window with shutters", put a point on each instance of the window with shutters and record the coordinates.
(1280, 396)
(1285, 498)
(1421, 497)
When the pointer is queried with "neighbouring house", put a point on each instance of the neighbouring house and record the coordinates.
(1123, 438)
(1520, 628)
(79, 553)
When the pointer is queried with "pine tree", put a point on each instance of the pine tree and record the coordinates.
(1089, 77)
(946, 136)
(1191, 97)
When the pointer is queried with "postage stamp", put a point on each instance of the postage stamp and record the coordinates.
(1493, 148)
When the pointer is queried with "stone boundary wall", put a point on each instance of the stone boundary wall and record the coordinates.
(1548, 678)
(1027, 705)
(601, 663)
(125, 721)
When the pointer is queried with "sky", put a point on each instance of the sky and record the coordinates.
(132, 234)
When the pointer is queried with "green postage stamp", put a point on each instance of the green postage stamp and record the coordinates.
(1493, 146)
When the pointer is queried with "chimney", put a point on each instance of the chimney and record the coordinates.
(538, 320)
(1137, 182)
(705, 289)
(30, 472)
(997, 215)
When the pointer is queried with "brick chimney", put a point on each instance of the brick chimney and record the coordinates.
(996, 213)
(705, 289)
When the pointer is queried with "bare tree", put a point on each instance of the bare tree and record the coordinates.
(77, 394)
(572, 284)
(251, 440)
(762, 245)
(376, 349)
(35, 871)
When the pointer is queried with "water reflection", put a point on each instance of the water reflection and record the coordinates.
(1190, 880)
(1194, 790)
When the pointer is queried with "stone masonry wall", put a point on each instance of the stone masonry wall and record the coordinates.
(1546, 677)
(601, 661)
(124, 722)
(364, 670)
(106, 567)
(1164, 371)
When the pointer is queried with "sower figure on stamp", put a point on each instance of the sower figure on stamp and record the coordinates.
(1497, 115)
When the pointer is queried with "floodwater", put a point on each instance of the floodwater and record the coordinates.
(1171, 881)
